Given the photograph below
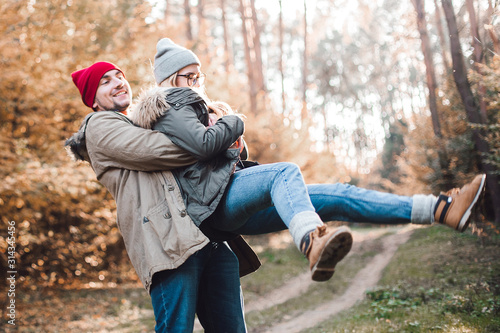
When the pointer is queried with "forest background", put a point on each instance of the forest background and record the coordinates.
(399, 96)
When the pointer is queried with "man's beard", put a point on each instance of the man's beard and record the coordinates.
(114, 107)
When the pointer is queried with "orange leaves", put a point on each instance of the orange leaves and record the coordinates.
(65, 224)
(63, 215)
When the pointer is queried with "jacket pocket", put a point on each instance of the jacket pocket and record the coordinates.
(160, 220)
(177, 234)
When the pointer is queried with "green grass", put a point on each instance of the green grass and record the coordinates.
(277, 266)
(439, 281)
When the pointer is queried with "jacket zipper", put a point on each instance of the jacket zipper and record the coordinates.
(171, 190)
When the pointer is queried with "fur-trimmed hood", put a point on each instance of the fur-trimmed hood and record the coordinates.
(75, 145)
(154, 102)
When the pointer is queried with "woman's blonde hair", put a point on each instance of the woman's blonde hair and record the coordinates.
(169, 81)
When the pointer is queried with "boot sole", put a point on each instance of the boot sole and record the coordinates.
(464, 222)
(336, 248)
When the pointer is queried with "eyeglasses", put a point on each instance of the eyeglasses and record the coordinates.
(193, 78)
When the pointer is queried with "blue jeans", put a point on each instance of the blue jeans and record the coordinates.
(251, 190)
(207, 284)
(264, 198)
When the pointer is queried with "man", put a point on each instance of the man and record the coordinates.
(184, 272)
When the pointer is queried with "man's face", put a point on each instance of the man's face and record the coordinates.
(113, 93)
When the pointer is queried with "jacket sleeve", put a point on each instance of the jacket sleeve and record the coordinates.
(114, 142)
(185, 130)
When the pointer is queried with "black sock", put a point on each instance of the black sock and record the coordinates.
(305, 243)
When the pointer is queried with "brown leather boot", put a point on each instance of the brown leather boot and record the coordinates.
(453, 208)
(324, 249)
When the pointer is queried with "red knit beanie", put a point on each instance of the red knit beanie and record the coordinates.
(87, 80)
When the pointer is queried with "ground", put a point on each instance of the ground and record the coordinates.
(366, 278)
(127, 308)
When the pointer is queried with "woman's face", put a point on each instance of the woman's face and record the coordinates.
(190, 76)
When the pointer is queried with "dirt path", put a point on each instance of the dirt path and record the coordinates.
(365, 279)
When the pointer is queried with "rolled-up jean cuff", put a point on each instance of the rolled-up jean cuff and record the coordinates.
(422, 211)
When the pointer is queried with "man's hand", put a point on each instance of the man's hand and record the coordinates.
(212, 119)
(238, 144)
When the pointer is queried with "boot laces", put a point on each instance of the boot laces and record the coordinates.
(321, 230)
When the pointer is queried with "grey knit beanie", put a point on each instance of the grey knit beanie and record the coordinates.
(170, 58)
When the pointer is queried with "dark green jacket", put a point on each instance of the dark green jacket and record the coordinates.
(184, 119)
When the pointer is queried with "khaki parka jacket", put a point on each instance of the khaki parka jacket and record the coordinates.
(133, 164)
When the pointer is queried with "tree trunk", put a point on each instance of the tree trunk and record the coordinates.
(471, 108)
(478, 57)
(442, 40)
(281, 69)
(258, 66)
(432, 87)
(491, 28)
(227, 42)
(304, 112)
(474, 30)
(248, 56)
(429, 66)
(187, 17)
(202, 29)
